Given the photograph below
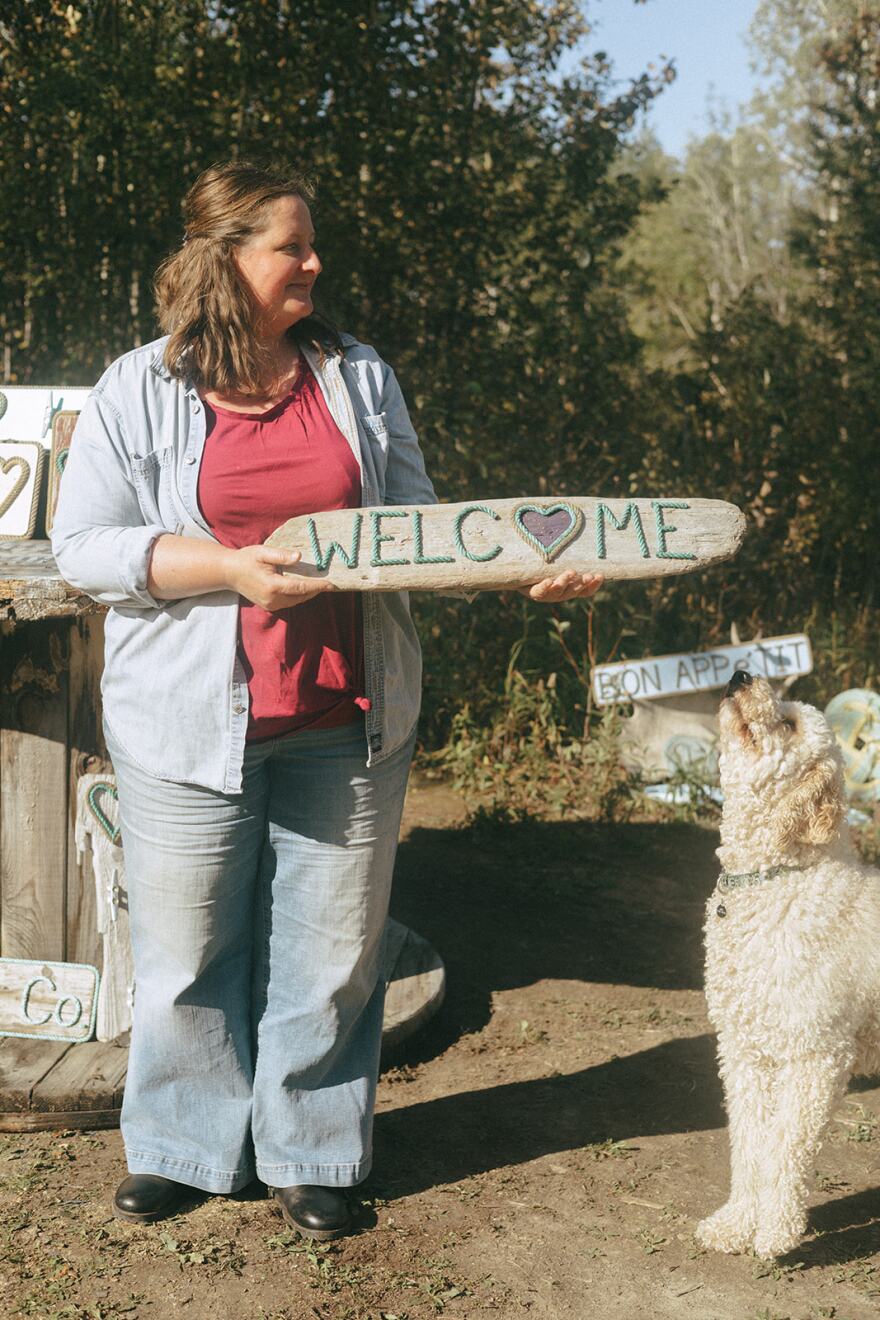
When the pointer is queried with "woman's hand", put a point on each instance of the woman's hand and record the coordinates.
(253, 573)
(567, 586)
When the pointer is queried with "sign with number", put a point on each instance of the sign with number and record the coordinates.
(47, 1000)
(494, 544)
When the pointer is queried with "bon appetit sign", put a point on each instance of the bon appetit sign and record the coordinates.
(776, 658)
(493, 544)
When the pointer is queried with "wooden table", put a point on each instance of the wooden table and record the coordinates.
(31, 588)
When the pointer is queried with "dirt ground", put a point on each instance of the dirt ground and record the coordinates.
(543, 1149)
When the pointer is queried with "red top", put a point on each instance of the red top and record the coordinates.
(304, 664)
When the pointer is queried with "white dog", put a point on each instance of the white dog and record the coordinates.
(792, 960)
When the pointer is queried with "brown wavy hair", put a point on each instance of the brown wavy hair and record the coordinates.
(203, 303)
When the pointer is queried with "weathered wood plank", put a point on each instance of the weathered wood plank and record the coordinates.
(27, 561)
(87, 754)
(31, 588)
(23, 1065)
(63, 424)
(28, 602)
(89, 1077)
(33, 803)
(495, 544)
(42, 1121)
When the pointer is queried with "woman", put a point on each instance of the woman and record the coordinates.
(260, 725)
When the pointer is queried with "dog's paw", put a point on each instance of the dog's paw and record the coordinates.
(772, 1240)
(730, 1229)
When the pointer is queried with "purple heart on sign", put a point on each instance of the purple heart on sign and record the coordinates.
(546, 527)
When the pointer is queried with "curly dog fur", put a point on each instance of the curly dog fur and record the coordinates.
(792, 967)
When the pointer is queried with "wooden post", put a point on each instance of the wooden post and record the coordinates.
(87, 754)
(33, 792)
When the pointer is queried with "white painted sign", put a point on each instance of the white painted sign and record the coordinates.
(48, 1000)
(21, 468)
(27, 411)
(674, 675)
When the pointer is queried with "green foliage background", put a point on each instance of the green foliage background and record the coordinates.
(569, 310)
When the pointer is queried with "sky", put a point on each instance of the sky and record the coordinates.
(705, 38)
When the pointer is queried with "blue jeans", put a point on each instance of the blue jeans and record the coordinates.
(257, 924)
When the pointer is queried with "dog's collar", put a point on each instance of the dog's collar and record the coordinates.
(747, 879)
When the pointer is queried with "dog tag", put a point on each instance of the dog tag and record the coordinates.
(721, 910)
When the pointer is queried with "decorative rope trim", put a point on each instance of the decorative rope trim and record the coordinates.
(630, 512)
(378, 536)
(459, 542)
(114, 834)
(550, 551)
(419, 556)
(323, 558)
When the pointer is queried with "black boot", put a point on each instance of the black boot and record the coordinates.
(142, 1198)
(316, 1212)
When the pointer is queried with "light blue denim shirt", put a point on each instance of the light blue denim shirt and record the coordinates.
(174, 690)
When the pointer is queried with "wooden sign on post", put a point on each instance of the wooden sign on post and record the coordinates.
(496, 544)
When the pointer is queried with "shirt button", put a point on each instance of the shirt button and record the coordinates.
(238, 710)
(197, 407)
(191, 458)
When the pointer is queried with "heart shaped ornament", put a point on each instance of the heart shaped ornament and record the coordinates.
(24, 472)
(548, 528)
(113, 832)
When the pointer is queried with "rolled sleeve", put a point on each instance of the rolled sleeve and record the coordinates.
(101, 542)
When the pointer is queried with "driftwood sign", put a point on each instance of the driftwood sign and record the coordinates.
(494, 544)
(49, 1000)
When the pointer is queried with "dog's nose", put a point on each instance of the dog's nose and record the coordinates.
(740, 679)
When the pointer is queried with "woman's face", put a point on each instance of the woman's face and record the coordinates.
(280, 265)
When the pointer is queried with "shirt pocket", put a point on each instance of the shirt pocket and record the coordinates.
(153, 477)
(376, 427)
